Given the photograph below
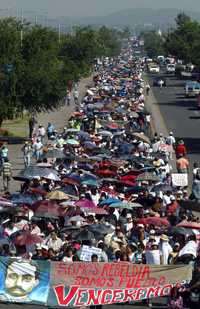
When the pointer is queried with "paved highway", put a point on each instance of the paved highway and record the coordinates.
(180, 114)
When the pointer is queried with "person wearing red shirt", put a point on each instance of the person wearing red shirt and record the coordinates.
(181, 149)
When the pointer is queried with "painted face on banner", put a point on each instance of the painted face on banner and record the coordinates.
(20, 279)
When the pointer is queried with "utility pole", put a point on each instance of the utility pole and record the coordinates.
(21, 32)
(59, 33)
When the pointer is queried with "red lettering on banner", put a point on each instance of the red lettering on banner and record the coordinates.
(94, 297)
(153, 292)
(117, 296)
(129, 295)
(61, 298)
(140, 293)
(105, 295)
(166, 289)
(79, 296)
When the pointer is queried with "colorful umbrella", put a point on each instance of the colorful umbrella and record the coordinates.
(26, 238)
(147, 177)
(57, 195)
(95, 211)
(72, 142)
(189, 224)
(109, 201)
(90, 182)
(85, 203)
(142, 137)
(5, 203)
(156, 221)
(47, 209)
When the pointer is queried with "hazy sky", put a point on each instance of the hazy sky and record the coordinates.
(84, 8)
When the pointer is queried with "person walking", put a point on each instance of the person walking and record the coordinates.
(76, 96)
(32, 123)
(7, 173)
(182, 165)
(4, 153)
(68, 98)
(27, 152)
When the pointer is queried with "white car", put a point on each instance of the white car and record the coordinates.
(154, 68)
(170, 68)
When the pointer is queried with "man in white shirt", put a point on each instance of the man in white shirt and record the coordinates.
(54, 242)
(165, 249)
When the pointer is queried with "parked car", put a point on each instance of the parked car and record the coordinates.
(170, 68)
(192, 89)
(154, 68)
(156, 81)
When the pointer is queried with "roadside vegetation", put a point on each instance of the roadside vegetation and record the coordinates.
(36, 63)
(182, 41)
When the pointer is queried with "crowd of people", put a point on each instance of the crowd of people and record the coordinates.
(102, 183)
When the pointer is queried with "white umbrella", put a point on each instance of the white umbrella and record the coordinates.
(90, 92)
(52, 176)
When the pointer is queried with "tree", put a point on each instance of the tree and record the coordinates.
(11, 64)
(184, 41)
(153, 43)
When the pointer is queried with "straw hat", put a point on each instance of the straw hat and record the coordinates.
(164, 237)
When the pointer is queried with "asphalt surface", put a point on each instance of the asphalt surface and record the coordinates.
(180, 115)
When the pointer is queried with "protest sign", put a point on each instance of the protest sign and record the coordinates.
(179, 180)
(56, 284)
(24, 281)
(86, 284)
(86, 253)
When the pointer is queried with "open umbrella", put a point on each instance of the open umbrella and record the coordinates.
(106, 133)
(190, 205)
(109, 201)
(85, 203)
(156, 221)
(90, 182)
(29, 199)
(95, 211)
(101, 228)
(89, 145)
(147, 177)
(176, 230)
(72, 142)
(54, 153)
(57, 195)
(85, 235)
(127, 205)
(70, 181)
(189, 224)
(32, 172)
(142, 137)
(112, 126)
(162, 187)
(52, 176)
(5, 203)
(47, 209)
(26, 238)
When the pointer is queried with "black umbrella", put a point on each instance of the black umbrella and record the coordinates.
(85, 235)
(32, 172)
(162, 187)
(100, 228)
(55, 153)
(176, 230)
(190, 205)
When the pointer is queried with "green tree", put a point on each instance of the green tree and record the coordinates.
(184, 41)
(153, 43)
(11, 64)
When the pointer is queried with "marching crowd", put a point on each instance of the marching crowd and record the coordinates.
(103, 186)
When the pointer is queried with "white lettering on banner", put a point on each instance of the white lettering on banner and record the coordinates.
(180, 180)
(86, 253)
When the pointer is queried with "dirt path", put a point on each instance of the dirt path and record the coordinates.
(59, 118)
